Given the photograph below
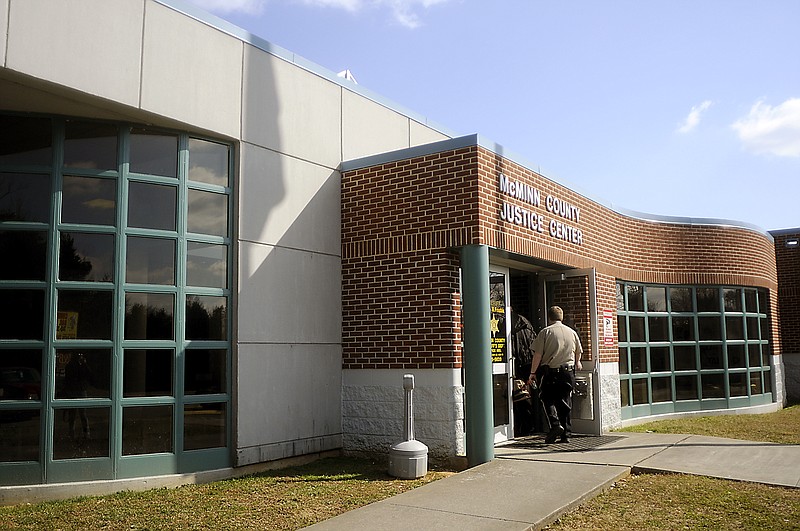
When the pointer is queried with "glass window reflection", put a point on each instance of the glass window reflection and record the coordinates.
(86, 257)
(83, 373)
(680, 299)
(635, 298)
(147, 430)
(733, 299)
(90, 145)
(153, 153)
(20, 375)
(19, 438)
(204, 426)
(148, 372)
(89, 200)
(25, 140)
(713, 385)
(24, 255)
(149, 316)
(205, 372)
(656, 299)
(24, 315)
(152, 206)
(84, 314)
(208, 162)
(708, 300)
(685, 357)
(24, 197)
(207, 265)
(206, 317)
(207, 213)
(81, 432)
(150, 261)
(686, 387)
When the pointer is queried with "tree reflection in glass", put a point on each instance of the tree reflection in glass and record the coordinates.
(89, 200)
(24, 197)
(86, 257)
(206, 317)
(24, 255)
(149, 316)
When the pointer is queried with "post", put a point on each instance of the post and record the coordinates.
(477, 355)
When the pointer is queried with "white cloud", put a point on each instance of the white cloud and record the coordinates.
(250, 7)
(771, 130)
(693, 118)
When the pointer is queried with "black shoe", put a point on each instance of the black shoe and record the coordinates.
(554, 433)
(564, 439)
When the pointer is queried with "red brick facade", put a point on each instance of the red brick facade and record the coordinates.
(403, 222)
(788, 264)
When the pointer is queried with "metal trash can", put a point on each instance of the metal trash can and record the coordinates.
(582, 397)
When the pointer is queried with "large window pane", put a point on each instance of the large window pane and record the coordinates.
(84, 373)
(659, 359)
(733, 299)
(708, 300)
(208, 162)
(149, 316)
(19, 438)
(622, 326)
(206, 317)
(89, 200)
(709, 328)
(682, 328)
(26, 141)
(681, 299)
(148, 372)
(205, 372)
(637, 329)
(754, 355)
(640, 395)
(750, 301)
(24, 197)
(150, 261)
(147, 430)
(86, 257)
(752, 328)
(662, 389)
(659, 328)
(624, 393)
(638, 360)
(85, 314)
(20, 375)
(763, 301)
(755, 383)
(710, 356)
(686, 387)
(685, 357)
(767, 382)
(80, 432)
(23, 314)
(713, 385)
(207, 265)
(90, 145)
(734, 327)
(656, 299)
(154, 153)
(736, 357)
(635, 298)
(737, 383)
(24, 255)
(152, 206)
(204, 426)
(208, 213)
(623, 360)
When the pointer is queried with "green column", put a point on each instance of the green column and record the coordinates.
(477, 355)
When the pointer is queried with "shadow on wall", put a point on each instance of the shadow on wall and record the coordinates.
(288, 364)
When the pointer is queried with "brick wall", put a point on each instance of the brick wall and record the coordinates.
(788, 264)
(402, 223)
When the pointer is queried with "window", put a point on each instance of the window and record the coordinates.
(680, 346)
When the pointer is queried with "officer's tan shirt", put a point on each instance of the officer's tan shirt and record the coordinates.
(559, 345)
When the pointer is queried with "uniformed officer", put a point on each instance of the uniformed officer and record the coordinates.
(557, 349)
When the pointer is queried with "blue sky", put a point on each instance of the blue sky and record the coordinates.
(670, 107)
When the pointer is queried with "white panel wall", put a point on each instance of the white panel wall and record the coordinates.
(278, 408)
(191, 72)
(93, 46)
(288, 296)
(289, 202)
(369, 128)
(421, 134)
(291, 110)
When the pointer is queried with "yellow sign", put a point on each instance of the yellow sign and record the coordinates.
(67, 325)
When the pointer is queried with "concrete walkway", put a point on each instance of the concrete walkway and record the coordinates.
(529, 484)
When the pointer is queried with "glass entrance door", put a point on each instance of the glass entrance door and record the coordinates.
(500, 327)
(575, 292)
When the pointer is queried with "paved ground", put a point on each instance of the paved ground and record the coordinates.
(502, 493)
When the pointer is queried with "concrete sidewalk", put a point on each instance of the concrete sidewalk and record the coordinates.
(508, 493)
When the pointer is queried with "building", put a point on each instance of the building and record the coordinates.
(217, 254)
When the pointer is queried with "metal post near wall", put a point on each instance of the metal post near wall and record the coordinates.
(477, 355)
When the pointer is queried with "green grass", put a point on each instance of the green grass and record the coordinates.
(296, 497)
(281, 499)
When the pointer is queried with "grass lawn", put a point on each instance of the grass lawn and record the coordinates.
(295, 497)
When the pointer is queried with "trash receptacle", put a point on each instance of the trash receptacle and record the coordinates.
(582, 401)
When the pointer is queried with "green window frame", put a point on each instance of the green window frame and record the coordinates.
(112, 268)
(692, 347)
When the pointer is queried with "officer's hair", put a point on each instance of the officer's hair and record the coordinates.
(555, 313)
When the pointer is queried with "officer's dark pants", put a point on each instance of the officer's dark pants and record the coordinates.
(557, 386)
